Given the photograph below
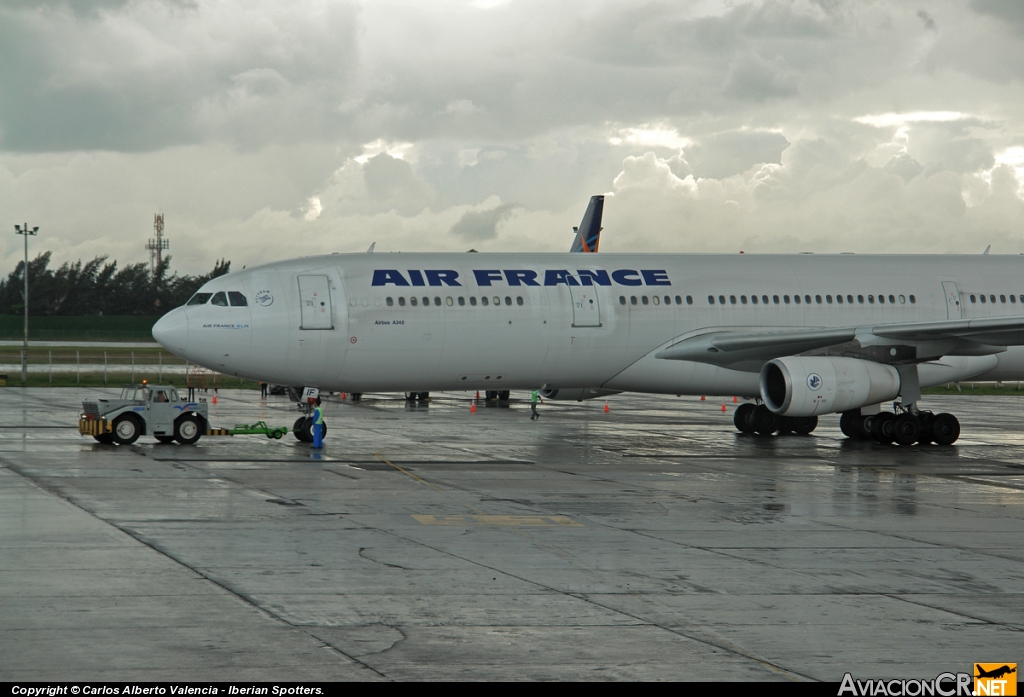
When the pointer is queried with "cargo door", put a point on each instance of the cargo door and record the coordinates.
(953, 308)
(586, 308)
(315, 296)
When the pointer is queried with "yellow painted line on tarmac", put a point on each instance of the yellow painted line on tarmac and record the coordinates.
(407, 472)
(504, 521)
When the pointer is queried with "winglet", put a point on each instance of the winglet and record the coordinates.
(588, 235)
(370, 250)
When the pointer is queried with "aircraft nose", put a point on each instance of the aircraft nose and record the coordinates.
(171, 331)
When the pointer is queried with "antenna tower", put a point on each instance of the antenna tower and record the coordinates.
(158, 245)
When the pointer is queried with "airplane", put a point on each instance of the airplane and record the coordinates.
(803, 335)
(586, 241)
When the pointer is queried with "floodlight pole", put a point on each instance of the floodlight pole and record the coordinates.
(26, 231)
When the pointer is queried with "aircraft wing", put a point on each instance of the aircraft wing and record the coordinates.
(750, 350)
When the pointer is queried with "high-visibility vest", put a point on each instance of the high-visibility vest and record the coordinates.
(318, 416)
(534, 396)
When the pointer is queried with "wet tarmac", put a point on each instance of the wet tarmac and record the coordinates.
(428, 542)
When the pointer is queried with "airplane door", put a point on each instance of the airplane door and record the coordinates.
(952, 293)
(315, 296)
(586, 308)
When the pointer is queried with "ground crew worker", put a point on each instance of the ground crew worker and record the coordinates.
(318, 425)
(534, 398)
(263, 390)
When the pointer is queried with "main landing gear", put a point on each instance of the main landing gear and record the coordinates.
(750, 418)
(904, 427)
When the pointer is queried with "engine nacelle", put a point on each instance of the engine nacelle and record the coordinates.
(577, 395)
(812, 385)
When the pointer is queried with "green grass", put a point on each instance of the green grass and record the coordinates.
(980, 389)
(85, 328)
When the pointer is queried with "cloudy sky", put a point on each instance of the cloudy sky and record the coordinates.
(266, 129)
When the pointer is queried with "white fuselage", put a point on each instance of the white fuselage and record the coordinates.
(396, 322)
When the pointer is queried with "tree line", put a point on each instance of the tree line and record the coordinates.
(99, 287)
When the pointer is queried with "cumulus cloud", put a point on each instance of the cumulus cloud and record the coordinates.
(762, 125)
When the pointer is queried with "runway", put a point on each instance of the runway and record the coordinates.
(651, 542)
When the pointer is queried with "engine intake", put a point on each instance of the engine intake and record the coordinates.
(812, 385)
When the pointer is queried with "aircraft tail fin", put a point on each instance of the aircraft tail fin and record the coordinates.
(588, 234)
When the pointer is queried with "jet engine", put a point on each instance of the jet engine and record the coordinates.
(812, 385)
(576, 394)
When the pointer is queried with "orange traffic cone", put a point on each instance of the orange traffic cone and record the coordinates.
(478, 394)
(214, 397)
(606, 407)
(472, 407)
(702, 398)
(343, 395)
(723, 406)
(734, 399)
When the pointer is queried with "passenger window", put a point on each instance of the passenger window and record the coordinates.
(732, 299)
(622, 299)
(982, 299)
(807, 300)
(426, 302)
(881, 299)
(972, 299)
(1013, 298)
(401, 302)
(743, 299)
(785, 299)
(656, 300)
(483, 301)
(237, 299)
(1022, 298)
(860, 299)
(871, 300)
(519, 300)
(753, 299)
(775, 299)
(913, 300)
(472, 301)
(711, 300)
(796, 299)
(390, 301)
(721, 299)
(764, 299)
(412, 301)
(437, 301)
(632, 300)
(839, 299)
(892, 300)
(497, 301)
(462, 301)
(689, 300)
(449, 302)
(991, 297)
(644, 300)
(849, 299)
(199, 298)
(220, 299)
(1002, 299)
(508, 301)
(903, 300)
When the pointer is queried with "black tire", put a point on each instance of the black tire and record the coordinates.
(127, 429)
(165, 439)
(307, 430)
(945, 429)
(423, 396)
(491, 395)
(765, 421)
(743, 418)
(907, 429)
(883, 427)
(804, 424)
(504, 395)
(188, 428)
(298, 430)
(846, 423)
(105, 438)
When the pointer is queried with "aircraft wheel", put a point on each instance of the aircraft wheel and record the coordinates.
(187, 429)
(307, 430)
(883, 427)
(945, 429)
(907, 429)
(127, 429)
(299, 428)
(804, 424)
(765, 421)
(165, 439)
(846, 423)
(744, 417)
(504, 395)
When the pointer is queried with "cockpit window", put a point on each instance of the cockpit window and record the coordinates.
(199, 299)
(220, 299)
(237, 299)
